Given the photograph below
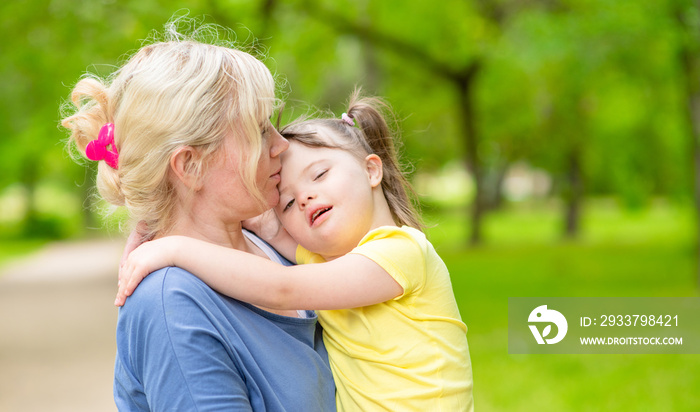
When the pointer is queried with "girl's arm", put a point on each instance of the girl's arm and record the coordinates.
(347, 282)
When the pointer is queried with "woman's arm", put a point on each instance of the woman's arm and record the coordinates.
(347, 282)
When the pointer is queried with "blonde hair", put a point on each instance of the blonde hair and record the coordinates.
(174, 93)
(372, 135)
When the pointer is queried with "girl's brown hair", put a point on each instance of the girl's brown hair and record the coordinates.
(370, 135)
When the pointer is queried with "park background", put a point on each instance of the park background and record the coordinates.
(554, 145)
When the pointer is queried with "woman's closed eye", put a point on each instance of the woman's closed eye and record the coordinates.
(265, 128)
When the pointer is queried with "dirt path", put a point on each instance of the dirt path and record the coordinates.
(57, 325)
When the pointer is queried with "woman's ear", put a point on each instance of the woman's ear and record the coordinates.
(375, 170)
(185, 165)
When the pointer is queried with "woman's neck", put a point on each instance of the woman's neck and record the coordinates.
(226, 235)
(218, 233)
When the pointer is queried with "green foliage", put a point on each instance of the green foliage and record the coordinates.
(47, 46)
(597, 77)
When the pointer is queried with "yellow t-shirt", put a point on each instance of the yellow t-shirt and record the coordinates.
(406, 354)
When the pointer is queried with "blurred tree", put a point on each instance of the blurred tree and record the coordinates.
(588, 90)
(602, 91)
(47, 45)
(402, 31)
(687, 14)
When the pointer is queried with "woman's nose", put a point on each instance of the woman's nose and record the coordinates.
(279, 144)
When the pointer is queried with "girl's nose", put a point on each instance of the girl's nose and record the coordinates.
(305, 200)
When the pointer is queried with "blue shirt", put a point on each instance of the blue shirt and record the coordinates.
(183, 347)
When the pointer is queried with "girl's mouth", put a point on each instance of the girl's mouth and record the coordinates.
(319, 212)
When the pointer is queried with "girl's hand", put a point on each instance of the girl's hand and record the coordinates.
(269, 228)
(266, 225)
(146, 258)
(136, 238)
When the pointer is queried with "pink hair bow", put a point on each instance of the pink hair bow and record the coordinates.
(98, 149)
(347, 119)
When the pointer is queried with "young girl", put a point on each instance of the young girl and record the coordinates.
(391, 325)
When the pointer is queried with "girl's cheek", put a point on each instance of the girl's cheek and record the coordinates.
(293, 225)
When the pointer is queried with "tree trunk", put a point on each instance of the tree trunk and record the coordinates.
(691, 70)
(463, 79)
(266, 9)
(465, 85)
(694, 107)
(574, 193)
(493, 186)
(693, 88)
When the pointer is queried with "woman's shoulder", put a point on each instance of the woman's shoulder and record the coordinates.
(164, 285)
(173, 292)
(172, 296)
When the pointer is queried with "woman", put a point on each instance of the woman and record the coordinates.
(184, 141)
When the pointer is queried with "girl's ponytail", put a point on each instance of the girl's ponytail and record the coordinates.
(370, 114)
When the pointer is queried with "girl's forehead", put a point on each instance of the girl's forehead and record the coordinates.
(303, 153)
(331, 138)
(300, 156)
(318, 135)
(323, 137)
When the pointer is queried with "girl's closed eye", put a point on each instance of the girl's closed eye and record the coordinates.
(321, 174)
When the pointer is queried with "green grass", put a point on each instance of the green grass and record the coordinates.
(649, 252)
(621, 253)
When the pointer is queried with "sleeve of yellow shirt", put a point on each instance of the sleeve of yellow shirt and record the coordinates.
(392, 248)
(397, 252)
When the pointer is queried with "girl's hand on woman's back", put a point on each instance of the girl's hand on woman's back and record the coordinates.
(146, 258)
(135, 239)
